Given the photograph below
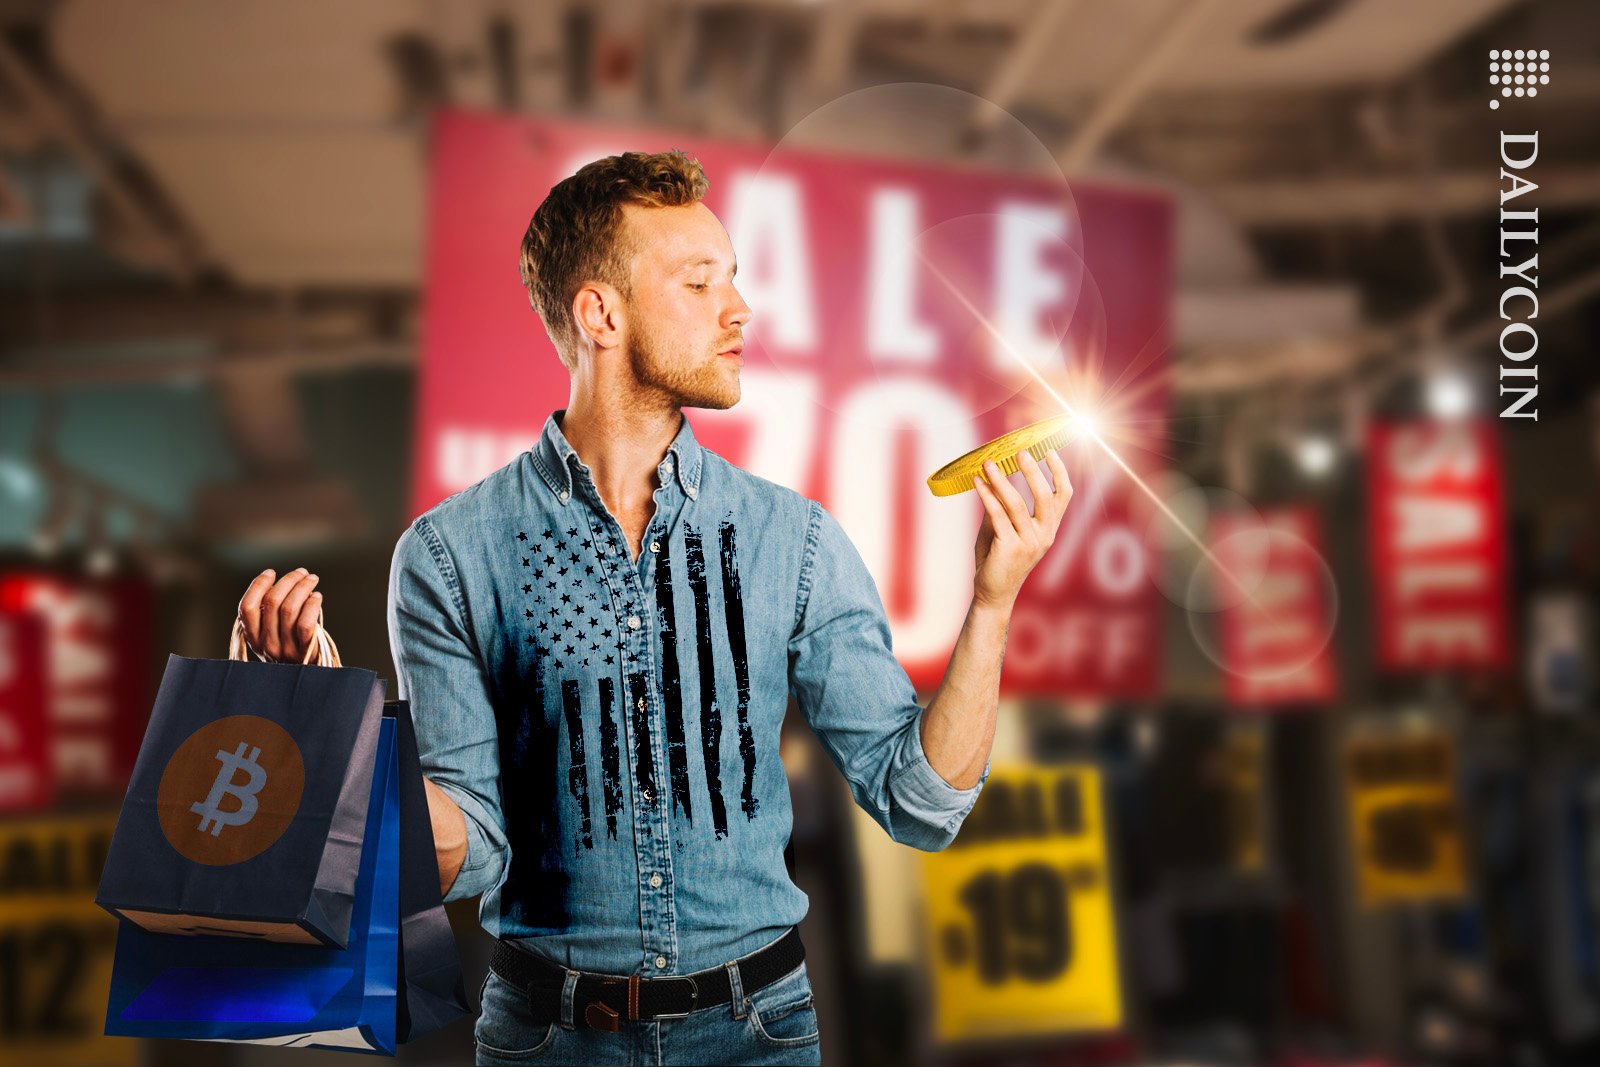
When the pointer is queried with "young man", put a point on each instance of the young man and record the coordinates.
(599, 640)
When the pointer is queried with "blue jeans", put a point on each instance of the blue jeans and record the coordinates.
(777, 1024)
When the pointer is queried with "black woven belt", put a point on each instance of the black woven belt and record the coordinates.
(602, 1001)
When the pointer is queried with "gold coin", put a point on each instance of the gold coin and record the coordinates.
(1039, 438)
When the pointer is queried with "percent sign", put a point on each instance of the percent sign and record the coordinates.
(1116, 556)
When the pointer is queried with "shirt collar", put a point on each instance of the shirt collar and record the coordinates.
(555, 459)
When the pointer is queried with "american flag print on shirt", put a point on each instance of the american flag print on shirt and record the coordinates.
(571, 628)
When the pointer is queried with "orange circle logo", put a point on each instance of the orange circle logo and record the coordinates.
(231, 790)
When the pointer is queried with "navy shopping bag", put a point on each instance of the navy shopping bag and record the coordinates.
(394, 976)
(244, 813)
(228, 989)
(431, 989)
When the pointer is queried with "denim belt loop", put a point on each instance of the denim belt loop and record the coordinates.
(736, 989)
(569, 990)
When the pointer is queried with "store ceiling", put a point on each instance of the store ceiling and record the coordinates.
(284, 132)
(279, 146)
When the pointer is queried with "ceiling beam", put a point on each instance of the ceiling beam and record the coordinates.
(833, 48)
(179, 250)
(1034, 40)
(252, 319)
(1115, 105)
(40, 373)
(1320, 201)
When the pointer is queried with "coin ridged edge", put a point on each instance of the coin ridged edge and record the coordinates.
(952, 485)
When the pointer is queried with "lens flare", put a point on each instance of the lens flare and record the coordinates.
(1084, 418)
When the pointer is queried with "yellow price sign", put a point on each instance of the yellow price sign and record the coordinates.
(1239, 769)
(56, 944)
(1405, 818)
(1020, 921)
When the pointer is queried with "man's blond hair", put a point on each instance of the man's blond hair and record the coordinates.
(576, 236)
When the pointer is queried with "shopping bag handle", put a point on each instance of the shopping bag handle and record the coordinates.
(327, 653)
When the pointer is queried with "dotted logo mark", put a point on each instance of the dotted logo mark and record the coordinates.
(1519, 71)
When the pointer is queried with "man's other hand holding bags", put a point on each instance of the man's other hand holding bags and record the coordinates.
(280, 619)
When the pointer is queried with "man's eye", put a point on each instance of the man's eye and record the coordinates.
(698, 286)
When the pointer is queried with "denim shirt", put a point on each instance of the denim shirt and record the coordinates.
(609, 726)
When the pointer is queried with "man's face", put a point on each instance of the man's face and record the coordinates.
(685, 317)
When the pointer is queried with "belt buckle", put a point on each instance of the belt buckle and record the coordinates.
(694, 995)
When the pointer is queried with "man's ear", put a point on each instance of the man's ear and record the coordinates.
(597, 308)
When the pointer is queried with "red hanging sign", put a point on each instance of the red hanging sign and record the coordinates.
(865, 371)
(25, 774)
(97, 691)
(1437, 518)
(1275, 627)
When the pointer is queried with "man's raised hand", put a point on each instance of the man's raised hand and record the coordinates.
(1010, 540)
(280, 617)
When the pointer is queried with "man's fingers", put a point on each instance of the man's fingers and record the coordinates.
(1043, 501)
(271, 605)
(1015, 506)
(250, 606)
(305, 628)
(997, 514)
(1062, 494)
(1058, 469)
(289, 616)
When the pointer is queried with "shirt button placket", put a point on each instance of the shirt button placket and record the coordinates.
(653, 818)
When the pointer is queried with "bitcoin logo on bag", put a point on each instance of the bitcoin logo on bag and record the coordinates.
(212, 817)
(231, 790)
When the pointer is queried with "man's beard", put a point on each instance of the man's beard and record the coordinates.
(673, 371)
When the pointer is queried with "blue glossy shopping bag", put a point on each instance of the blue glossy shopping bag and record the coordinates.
(229, 989)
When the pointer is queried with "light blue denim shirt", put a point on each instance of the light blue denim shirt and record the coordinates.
(610, 726)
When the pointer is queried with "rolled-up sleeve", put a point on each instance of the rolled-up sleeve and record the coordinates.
(443, 678)
(859, 700)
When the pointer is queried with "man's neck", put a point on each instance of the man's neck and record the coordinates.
(621, 448)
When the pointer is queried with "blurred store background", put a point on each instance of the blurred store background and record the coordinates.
(1324, 793)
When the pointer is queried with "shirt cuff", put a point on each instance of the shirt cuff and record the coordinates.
(923, 793)
(478, 873)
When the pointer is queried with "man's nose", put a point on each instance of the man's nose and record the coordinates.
(739, 313)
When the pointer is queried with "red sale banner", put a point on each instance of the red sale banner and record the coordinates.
(25, 772)
(97, 691)
(1274, 632)
(1437, 516)
(895, 306)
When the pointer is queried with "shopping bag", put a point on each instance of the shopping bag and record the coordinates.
(245, 812)
(431, 989)
(398, 979)
(227, 989)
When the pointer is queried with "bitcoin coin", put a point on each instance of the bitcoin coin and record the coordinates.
(231, 790)
(1039, 438)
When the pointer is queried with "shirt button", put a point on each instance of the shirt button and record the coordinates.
(647, 794)
(655, 546)
(661, 961)
(655, 881)
(562, 496)
(666, 465)
(633, 622)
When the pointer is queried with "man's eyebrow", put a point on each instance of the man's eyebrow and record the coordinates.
(703, 261)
